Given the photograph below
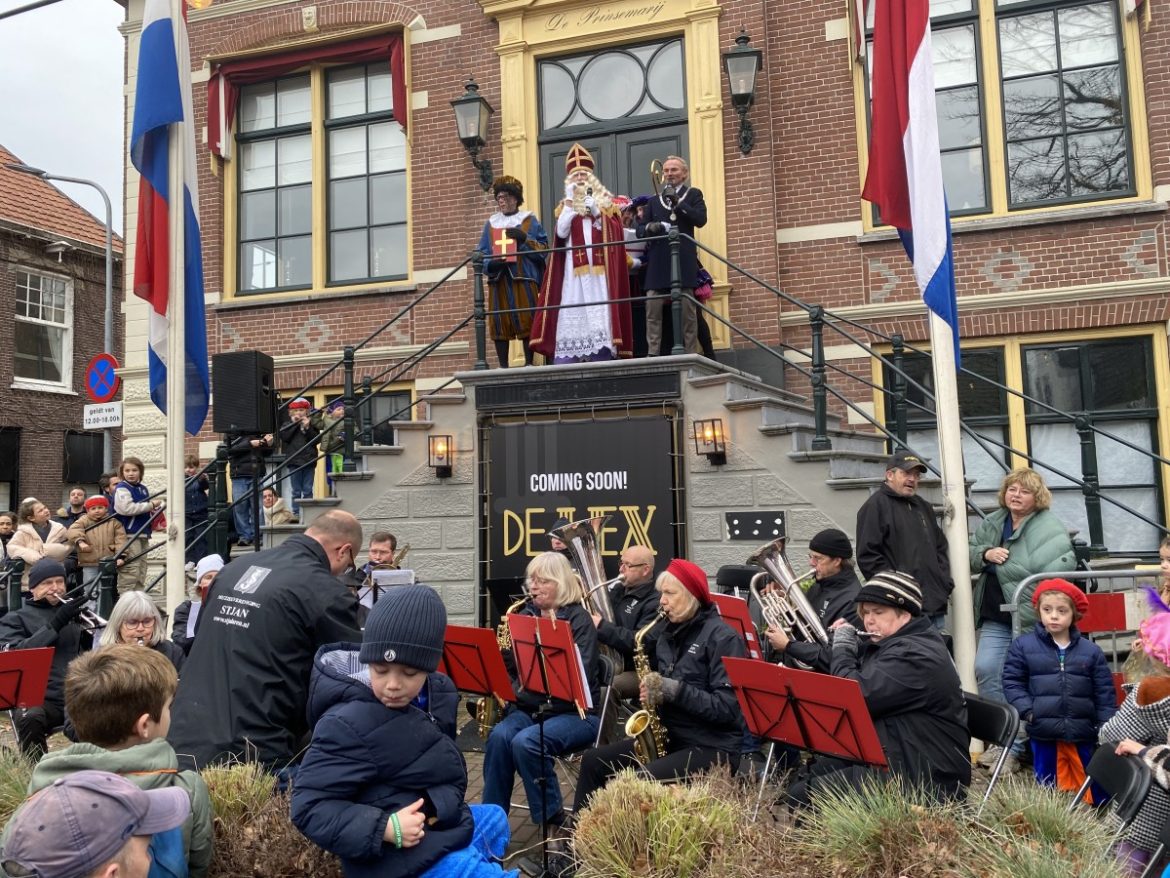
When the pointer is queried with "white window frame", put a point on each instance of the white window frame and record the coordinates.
(65, 385)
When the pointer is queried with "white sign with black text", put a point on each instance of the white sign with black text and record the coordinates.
(100, 415)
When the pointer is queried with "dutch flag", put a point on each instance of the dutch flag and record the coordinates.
(905, 176)
(162, 110)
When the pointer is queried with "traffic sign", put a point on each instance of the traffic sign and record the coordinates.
(101, 382)
(102, 415)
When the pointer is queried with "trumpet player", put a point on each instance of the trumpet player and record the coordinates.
(832, 596)
(687, 687)
(48, 618)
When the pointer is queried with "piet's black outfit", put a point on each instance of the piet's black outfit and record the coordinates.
(35, 625)
(913, 693)
(703, 721)
(832, 598)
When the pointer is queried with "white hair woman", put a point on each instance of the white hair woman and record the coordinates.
(514, 743)
(135, 619)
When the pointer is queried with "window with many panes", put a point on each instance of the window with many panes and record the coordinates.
(43, 330)
(363, 234)
(1057, 116)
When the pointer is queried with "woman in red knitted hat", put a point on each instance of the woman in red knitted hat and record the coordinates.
(688, 688)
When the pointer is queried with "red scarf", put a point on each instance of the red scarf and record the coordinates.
(584, 260)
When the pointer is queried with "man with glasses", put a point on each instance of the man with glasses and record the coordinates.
(832, 596)
(245, 683)
(634, 605)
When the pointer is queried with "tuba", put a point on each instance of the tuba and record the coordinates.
(581, 539)
(644, 725)
(786, 609)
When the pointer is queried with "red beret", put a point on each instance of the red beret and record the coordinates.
(97, 501)
(1080, 602)
(300, 403)
(692, 577)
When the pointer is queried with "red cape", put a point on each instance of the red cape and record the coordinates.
(617, 279)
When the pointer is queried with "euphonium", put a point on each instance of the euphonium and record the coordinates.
(644, 725)
(786, 608)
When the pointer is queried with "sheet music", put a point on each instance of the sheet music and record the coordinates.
(196, 606)
(584, 679)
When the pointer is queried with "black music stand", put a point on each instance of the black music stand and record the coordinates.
(547, 664)
(808, 710)
(24, 676)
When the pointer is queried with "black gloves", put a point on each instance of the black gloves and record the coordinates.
(518, 235)
(66, 612)
(655, 229)
(494, 266)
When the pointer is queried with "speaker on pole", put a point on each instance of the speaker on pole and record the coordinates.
(244, 394)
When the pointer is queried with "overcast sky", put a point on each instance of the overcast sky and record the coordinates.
(61, 79)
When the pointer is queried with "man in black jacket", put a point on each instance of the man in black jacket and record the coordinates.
(913, 693)
(678, 206)
(46, 619)
(635, 603)
(246, 682)
(898, 530)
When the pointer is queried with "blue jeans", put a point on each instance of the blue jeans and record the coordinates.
(242, 509)
(514, 746)
(995, 638)
(301, 485)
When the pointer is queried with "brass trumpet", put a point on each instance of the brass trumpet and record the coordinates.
(91, 621)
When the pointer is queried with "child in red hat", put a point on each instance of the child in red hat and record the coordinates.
(1061, 684)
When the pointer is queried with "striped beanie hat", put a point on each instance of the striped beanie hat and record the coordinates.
(898, 590)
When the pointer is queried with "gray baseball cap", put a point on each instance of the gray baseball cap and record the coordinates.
(80, 822)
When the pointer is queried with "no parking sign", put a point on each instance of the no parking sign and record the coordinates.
(101, 380)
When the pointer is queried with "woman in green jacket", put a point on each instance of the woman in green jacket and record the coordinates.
(1021, 538)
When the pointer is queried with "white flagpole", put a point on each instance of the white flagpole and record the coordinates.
(176, 579)
(950, 452)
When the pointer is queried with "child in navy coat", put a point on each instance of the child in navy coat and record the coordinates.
(1061, 684)
(382, 784)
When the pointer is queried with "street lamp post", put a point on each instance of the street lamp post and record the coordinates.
(108, 336)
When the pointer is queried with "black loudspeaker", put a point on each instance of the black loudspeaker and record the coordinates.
(242, 384)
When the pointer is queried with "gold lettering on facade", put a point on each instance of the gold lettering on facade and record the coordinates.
(606, 14)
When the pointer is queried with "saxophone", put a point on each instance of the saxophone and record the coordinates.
(644, 726)
(488, 709)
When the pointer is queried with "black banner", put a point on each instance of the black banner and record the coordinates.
(540, 472)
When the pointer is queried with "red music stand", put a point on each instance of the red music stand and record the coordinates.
(24, 676)
(735, 613)
(472, 659)
(808, 710)
(547, 661)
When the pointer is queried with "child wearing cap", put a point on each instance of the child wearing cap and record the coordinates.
(119, 700)
(1061, 684)
(96, 535)
(382, 785)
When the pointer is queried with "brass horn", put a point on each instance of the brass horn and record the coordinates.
(786, 608)
(581, 538)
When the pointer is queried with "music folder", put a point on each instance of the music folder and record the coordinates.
(472, 659)
(736, 613)
(808, 710)
(548, 661)
(24, 676)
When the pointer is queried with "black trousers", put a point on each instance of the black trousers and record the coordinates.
(602, 763)
(827, 775)
(33, 725)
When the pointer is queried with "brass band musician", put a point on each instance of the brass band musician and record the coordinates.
(635, 603)
(687, 687)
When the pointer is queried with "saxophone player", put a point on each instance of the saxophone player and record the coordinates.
(688, 689)
(832, 597)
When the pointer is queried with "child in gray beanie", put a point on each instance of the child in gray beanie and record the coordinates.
(382, 785)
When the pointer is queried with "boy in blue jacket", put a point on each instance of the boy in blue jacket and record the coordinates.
(382, 784)
(1060, 683)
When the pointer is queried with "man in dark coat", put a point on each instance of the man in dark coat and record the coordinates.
(46, 619)
(679, 206)
(898, 530)
(913, 693)
(246, 682)
(635, 603)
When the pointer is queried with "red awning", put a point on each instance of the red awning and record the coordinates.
(223, 89)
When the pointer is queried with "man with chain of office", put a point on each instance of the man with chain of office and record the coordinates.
(679, 205)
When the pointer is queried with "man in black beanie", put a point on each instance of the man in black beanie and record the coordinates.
(913, 693)
(46, 619)
(832, 597)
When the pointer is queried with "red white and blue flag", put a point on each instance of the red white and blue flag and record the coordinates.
(163, 110)
(905, 176)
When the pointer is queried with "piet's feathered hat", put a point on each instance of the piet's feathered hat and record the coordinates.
(578, 159)
(509, 184)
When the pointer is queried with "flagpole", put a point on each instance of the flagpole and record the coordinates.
(954, 490)
(176, 578)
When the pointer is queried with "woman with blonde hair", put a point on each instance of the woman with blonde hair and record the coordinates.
(514, 743)
(135, 619)
(37, 536)
(1021, 538)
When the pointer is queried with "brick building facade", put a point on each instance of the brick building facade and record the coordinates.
(52, 289)
(1057, 157)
